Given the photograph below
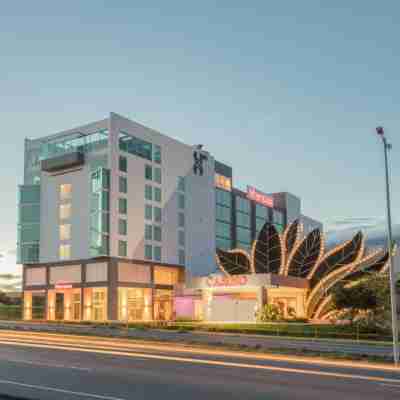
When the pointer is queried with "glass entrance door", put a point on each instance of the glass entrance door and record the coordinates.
(59, 306)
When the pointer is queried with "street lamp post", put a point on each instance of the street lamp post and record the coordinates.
(395, 328)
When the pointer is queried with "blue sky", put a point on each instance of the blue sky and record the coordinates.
(287, 92)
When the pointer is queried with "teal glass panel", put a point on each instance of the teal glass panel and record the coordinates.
(181, 183)
(157, 154)
(27, 253)
(135, 146)
(223, 230)
(148, 172)
(148, 192)
(123, 184)
(223, 197)
(181, 257)
(243, 235)
(123, 164)
(122, 226)
(262, 212)
(29, 214)
(29, 233)
(157, 235)
(224, 244)
(148, 212)
(243, 219)
(242, 205)
(148, 232)
(157, 194)
(157, 175)
(148, 252)
(29, 194)
(181, 220)
(181, 201)
(157, 214)
(122, 206)
(157, 253)
(223, 213)
(122, 248)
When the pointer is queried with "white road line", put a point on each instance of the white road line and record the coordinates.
(53, 389)
(212, 362)
(51, 365)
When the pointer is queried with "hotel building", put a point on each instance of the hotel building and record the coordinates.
(113, 216)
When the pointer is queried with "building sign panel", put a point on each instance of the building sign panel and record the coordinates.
(259, 197)
(234, 280)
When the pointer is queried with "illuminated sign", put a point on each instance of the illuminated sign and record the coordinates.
(234, 280)
(259, 197)
(223, 182)
(61, 286)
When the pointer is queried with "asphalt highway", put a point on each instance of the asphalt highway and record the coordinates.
(53, 366)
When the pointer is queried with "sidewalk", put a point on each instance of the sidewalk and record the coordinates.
(240, 341)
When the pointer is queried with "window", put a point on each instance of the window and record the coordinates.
(181, 220)
(29, 194)
(29, 213)
(181, 201)
(181, 238)
(148, 192)
(122, 206)
(157, 214)
(123, 184)
(181, 183)
(277, 217)
(157, 175)
(65, 232)
(223, 213)
(122, 226)
(148, 172)
(148, 252)
(262, 212)
(224, 244)
(223, 230)
(223, 182)
(243, 219)
(65, 251)
(242, 205)
(123, 164)
(135, 146)
(65, 211)
(122, 248)
(148, 212)
(243, 235)
(157, 154)
(157, 233)
(181, 257)
(148, 232)
(157, 253)
(223, 197)
(157, 194)
(65, 191)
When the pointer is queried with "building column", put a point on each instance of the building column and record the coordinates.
(112, 290)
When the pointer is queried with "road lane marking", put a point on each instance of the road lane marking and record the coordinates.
(210, 362)
(121, 343)
(51, 365)
(53, 389)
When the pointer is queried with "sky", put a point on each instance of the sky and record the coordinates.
(289, 93)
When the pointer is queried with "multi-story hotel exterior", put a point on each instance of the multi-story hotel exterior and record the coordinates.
(113, 215)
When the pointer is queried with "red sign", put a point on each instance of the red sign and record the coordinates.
(234, 280)
(258, 197)
(61, 286)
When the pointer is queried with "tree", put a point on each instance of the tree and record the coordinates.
(367, 301)
(270, 312)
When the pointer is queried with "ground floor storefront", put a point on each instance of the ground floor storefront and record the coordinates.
(100, 290)
(240, 298)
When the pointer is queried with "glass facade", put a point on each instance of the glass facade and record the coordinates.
(243, 223)
(74, 142)
(28, 224)
(223, 227)
(136, 146)
(100, 212)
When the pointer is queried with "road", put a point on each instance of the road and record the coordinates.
(213, 338)
(53, 366)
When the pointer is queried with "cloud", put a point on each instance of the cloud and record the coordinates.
(2, 255)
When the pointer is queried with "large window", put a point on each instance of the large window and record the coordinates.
(148, 172)
(122, 248)
(148, 212)
(123, 184)
(122, 226)
(157, 175)
(122, 206)
(223, 219)
(157, 154)
(134, 304)
(181, 201)
(181, 183)
(157, 194)
(65, 191)
(65, 211)
(157, 214)
(243, 220)
(148, 192)
(157, 253)
(123, 164)
(148, 232)
(136, 146)
(65, 252)
(181, 220)
(95, 304)
(148, 251)
(157, 235)
(65, 232)
(242, 205)
(181, 238)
